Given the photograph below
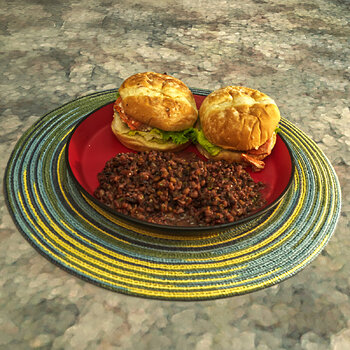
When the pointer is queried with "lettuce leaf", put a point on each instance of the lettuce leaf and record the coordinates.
(199, 137)
(178, 137)
(191, 134)
(157, 135)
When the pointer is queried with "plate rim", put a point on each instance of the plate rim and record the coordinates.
(174, 228)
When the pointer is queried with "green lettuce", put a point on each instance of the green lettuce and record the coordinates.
(199, 137)
(157, 135)
(178, 137)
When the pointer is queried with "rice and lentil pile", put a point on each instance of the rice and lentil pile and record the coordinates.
(172, 189)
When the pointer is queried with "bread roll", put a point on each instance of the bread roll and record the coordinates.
(159, 100)
(238, 118)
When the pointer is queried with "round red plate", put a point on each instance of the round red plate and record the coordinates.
(93, 143)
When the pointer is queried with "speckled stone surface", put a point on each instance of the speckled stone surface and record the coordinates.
(296, 51)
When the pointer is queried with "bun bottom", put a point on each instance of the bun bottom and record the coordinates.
(229, 156)
(234, 156)
(139, 143)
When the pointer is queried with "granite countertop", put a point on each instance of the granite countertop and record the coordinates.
(296, 51)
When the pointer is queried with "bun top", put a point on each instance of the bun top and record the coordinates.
(238, 118)
(159, 100)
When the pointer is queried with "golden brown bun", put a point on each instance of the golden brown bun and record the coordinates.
(232, 156)
(238, 118)
(159, 100)
(139, 143)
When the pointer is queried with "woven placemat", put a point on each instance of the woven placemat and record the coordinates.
(82, 238)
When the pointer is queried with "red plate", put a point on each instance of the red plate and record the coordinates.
(92, 144)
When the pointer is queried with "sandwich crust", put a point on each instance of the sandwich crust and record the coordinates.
(238, 118)
(159, 100)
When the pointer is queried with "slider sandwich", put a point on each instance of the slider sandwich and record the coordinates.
(238, 124)
(154, 112)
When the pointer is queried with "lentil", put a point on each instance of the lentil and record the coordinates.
(178, 189)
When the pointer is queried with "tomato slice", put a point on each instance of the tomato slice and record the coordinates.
(132, 123)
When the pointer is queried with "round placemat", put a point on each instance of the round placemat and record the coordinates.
(80, 237)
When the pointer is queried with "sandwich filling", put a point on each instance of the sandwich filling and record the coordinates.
(133, 127)
(252, 157)
(263, 151)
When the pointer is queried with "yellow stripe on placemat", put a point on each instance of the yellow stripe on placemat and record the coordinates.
(107, 274)
(157, 293)
(170, 269)
(303, 263)
(179, 295)
(136, 288)
(324, 169)
(321, 184)
(106, 269)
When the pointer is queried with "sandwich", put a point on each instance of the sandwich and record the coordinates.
(154, 112)
(237, 124)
